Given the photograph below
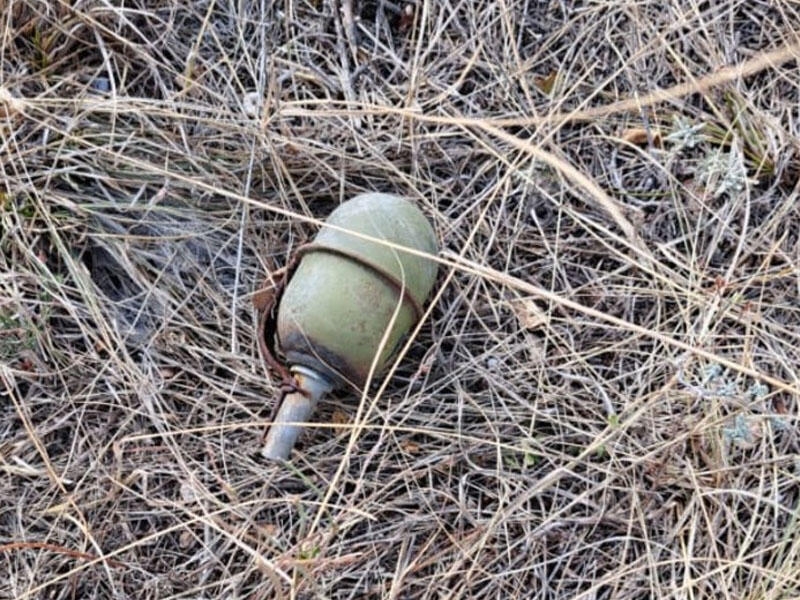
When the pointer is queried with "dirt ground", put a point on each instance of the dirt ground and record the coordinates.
(601, 401)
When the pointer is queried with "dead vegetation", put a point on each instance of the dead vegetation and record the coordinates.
(602, 401)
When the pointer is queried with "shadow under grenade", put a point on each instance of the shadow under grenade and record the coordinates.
(349, 303)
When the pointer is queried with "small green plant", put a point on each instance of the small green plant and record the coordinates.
(15, 337)
(684, 134)
(747, 418)
(523, 459)
(736, 154)
(724, 171)
(42, 59)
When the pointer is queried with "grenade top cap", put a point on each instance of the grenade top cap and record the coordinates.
(394, 220)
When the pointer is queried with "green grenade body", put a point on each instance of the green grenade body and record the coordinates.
(339, 303)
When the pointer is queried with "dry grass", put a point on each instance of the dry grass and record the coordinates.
(602, 401)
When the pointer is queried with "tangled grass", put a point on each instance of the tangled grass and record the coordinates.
(602, 400)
